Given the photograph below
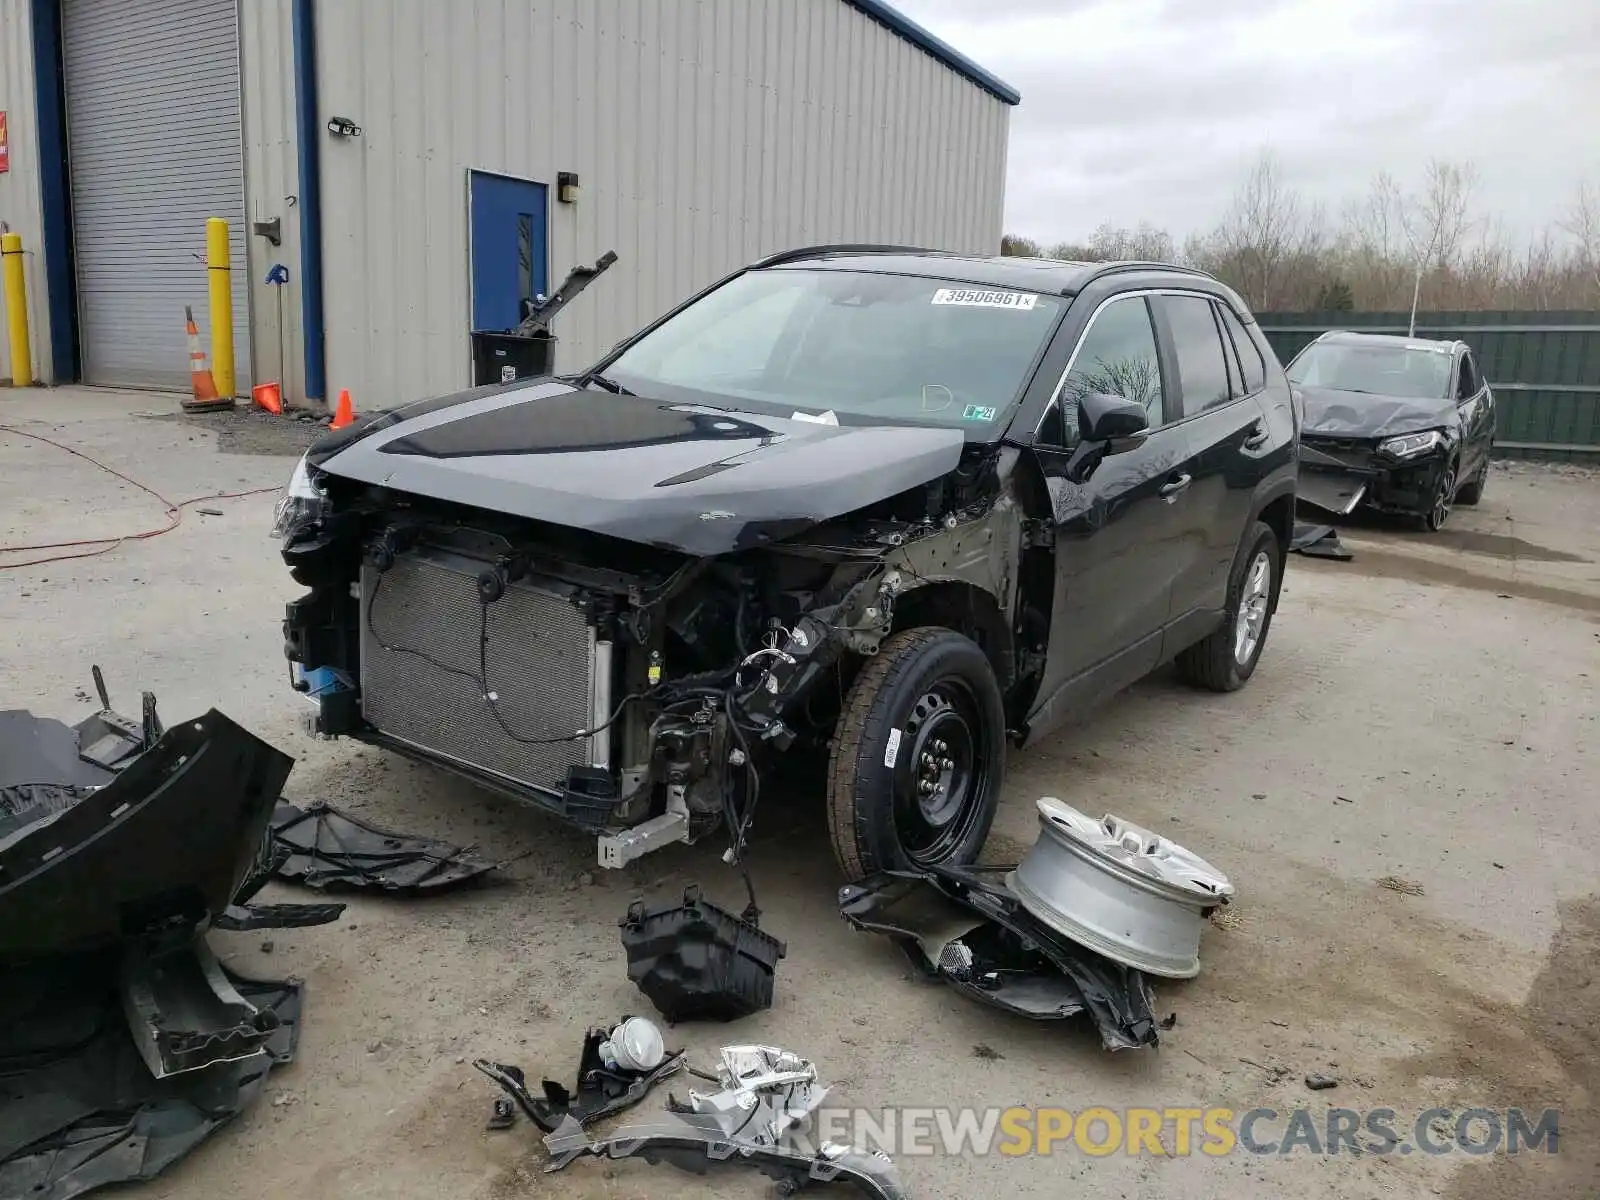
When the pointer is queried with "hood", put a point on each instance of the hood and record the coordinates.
(1364, 415)
(691, 478)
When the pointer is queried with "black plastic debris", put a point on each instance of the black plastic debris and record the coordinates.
(695, 961)
(322, 847)
(601, 1089)
(90, 852)
(962, 926)
(503, 1115)
(1319, 541)
(183, 1011)
(79, 1108)
(243, 917)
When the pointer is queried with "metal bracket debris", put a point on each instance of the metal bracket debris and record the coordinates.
(600, 1091)
(964, 927)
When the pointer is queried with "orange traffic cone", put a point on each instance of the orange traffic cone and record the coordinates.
(345, 414)
(268, 396)
(201, 384)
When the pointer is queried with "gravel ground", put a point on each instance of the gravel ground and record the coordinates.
(1404, 796)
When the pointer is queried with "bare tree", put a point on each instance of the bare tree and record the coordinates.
(1265, 229)
(1583, 223)
(1436, 220)
(1274, 247)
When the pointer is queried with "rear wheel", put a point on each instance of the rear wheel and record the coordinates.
(918, 755)
(1227, 658)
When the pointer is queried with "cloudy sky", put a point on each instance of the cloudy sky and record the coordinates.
(1153, 109)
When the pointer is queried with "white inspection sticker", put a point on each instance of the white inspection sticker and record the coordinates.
(891, 750)
(982, 298)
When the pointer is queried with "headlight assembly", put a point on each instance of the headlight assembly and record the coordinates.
(1412, 444)
(302, 505)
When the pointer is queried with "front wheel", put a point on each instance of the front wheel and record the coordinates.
(1227, 658)
(918, 756)
(1444, 498)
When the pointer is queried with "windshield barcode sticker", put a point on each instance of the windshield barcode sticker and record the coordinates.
(979, 298)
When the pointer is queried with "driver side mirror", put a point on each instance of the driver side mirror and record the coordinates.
(1113, 422)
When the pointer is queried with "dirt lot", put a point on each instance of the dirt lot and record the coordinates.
(1425, 714)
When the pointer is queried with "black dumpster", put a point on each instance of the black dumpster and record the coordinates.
(503, 357)
(530, 349)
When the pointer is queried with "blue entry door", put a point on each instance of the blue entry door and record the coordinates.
(508, 248)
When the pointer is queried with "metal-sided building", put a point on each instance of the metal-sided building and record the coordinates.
(416, 168)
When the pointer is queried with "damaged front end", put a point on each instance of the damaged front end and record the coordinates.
(1399, 474)
(637, 690)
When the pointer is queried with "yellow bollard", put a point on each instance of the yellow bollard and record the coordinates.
(220, 270)
(16, 293)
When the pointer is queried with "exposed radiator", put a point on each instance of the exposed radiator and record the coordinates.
(541, 667)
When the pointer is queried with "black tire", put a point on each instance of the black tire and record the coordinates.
(1473, 492)
(1444, 498)
(926, 688)
(1214, 662)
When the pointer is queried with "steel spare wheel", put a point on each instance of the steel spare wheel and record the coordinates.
(1123, 891)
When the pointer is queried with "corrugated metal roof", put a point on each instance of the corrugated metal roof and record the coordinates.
(958, 62)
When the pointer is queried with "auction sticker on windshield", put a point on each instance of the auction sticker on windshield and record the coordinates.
(979, 298)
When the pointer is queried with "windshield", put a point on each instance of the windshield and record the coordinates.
(1410, 372)
(890, 348)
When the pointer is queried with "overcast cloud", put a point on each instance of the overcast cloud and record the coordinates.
(1154, 109)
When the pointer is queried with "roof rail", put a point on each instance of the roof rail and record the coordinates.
(1114, 268)
(801, 253)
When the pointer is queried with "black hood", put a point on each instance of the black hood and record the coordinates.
(1364, 415)
(692, 478)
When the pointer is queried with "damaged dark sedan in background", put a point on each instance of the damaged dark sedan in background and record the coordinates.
(1396, 424)
(898, 508)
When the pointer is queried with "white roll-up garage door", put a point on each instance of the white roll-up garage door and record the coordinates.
(153, 120)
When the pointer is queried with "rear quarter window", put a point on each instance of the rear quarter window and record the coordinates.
(1250, 360)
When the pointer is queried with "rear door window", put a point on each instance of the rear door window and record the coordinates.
(1197, 345)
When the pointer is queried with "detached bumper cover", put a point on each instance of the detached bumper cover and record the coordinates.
(86, 862)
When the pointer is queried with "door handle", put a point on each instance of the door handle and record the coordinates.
(1258, 436)
(1170, 489)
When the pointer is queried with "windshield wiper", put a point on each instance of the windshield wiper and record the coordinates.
(610, 385)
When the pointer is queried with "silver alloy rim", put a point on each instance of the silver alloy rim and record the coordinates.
(1441, 502)
(1251, 618)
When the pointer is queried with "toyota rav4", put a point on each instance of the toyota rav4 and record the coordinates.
(904, 509)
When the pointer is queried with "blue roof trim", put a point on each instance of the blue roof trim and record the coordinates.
(958, 62)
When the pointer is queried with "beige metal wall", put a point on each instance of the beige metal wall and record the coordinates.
(271, 189)
(19, 187)
(705, 132)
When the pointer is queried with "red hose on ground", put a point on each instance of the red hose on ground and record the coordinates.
(106, 545)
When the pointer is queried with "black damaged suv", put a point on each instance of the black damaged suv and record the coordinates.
(897, 507)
